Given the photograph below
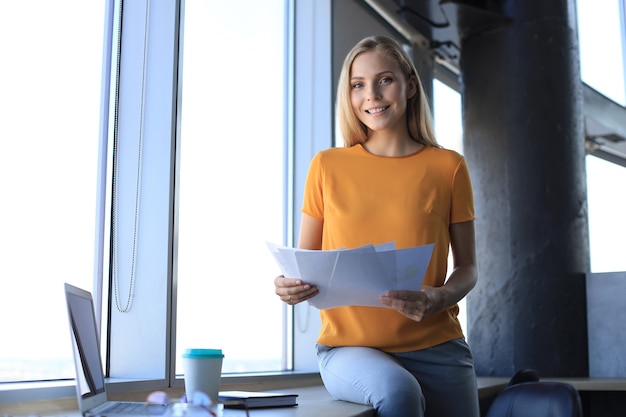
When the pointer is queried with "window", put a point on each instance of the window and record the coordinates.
(603, 71)
(48, 175)
(447, 115)
(232, 181)
(607, 223)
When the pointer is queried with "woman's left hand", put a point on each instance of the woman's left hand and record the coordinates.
(416, 305)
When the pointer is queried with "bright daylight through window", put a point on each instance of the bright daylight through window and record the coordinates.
(606, 74)
(48, 172)
(231, 182)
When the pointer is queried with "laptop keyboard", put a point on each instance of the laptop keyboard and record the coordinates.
(136, 409)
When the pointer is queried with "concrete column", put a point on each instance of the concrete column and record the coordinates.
(524, 142)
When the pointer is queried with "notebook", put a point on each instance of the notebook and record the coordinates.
(90, 387)
(253, 399)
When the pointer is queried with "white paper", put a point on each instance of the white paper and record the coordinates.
(355, 277)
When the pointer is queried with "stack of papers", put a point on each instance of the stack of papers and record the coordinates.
(355, 277)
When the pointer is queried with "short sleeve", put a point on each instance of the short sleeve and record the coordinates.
(462, 208)
(313, 204)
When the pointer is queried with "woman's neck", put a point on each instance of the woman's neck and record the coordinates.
(381, 145)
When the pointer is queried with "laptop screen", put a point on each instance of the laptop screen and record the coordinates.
(85, 342)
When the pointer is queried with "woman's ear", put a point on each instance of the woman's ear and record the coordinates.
(411, 87)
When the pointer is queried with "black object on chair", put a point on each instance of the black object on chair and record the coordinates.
(526, 396)
(524, 375)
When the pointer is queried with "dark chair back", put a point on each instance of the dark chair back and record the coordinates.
(537, 399)
(524, 375)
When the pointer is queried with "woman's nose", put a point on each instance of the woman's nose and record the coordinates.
(373, 93)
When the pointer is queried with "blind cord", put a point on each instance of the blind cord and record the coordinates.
(115, 198)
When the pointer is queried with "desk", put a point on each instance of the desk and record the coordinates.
(593, 384)
(316, 401)
(312, 402)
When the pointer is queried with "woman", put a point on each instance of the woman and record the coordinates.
(392, 182)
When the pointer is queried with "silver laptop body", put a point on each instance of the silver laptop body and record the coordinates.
(90, 386)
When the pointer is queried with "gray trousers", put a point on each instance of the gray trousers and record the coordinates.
(434, 382)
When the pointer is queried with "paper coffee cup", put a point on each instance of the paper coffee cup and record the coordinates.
(203, 371)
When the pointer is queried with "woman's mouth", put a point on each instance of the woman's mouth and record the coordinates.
(377, 110)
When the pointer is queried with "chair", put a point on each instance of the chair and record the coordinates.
(524, 375)
(537, 399)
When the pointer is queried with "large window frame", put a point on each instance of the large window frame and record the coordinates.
(160, 121)
(65, 99)
(139, 122)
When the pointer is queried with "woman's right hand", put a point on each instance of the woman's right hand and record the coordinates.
(293, 290)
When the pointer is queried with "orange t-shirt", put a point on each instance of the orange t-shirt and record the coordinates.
(368, 199)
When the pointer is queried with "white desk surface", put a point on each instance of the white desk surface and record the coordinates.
(312, 402)
(315, 401)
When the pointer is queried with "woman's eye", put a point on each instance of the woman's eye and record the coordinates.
(386, 80)
(357, 85)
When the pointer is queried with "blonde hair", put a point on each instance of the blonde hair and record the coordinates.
(419, 118)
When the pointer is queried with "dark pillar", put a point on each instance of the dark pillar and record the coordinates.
(522, 104)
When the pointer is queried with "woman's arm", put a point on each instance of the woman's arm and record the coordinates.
(293, 290)
(418, 305)
(310, 233)
(465, 273)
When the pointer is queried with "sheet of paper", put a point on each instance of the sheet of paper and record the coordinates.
(355, 276)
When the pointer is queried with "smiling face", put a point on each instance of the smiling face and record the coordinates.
(379, 92)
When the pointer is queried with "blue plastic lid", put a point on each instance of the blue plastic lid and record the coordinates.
(203, 353)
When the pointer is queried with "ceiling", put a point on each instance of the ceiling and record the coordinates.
(439, 25)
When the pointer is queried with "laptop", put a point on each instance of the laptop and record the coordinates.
(90, 386)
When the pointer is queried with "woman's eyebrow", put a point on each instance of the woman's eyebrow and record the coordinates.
(358, 77)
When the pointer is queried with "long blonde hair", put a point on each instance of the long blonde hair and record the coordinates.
(419, 117)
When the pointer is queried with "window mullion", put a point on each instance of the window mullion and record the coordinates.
(313, 131)
(139, 306)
